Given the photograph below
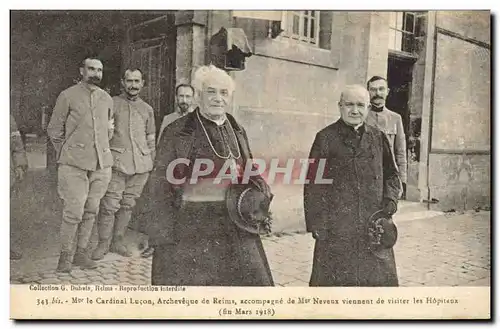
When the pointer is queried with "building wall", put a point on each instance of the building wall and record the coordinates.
(276, 99)
(289, 88)
(288, 92)
(459, 156)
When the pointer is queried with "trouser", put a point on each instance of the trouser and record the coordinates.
(81, 192)
(117, 204)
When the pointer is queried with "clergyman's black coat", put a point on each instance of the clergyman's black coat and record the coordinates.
(363, 173)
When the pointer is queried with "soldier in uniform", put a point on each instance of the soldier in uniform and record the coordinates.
(364, 180)
(184, 96)
(388, 122)
(195, 241)
(18, 167)
(80, 129)
(133, 147)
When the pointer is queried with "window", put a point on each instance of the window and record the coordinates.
(302, 25)
(402, 31)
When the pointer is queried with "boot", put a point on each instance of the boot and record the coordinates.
(68, 233)
(122, 219)
(104, 231)
(119, 248)
(82, 260)
(82, 257)
(101, 250)
(148, 252)
(64, 264)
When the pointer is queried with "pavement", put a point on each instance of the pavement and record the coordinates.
(433, 249)
(445, 250)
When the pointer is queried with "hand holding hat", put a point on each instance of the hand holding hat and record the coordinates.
(263, 187)
(390, 207)
(382, 233)
(248, 208)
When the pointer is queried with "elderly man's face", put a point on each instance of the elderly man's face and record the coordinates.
(354, 106)
(215, 97)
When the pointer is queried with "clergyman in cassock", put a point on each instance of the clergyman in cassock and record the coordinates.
(204, 232)
(349, 209)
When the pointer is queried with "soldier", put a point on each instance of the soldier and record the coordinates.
(184, 96)
(389, 122)
(133, 146)
(80, 129)
(18, 166)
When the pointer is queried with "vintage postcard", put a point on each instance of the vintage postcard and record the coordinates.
(229, 164)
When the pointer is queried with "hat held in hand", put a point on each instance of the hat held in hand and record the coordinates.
(248, 208)
(382, 233)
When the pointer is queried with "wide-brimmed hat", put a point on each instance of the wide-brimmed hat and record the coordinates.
(248, 208)
(382, 234)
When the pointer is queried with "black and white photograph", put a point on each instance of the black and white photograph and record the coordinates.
(264, 149)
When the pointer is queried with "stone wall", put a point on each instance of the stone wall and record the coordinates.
(459, 157)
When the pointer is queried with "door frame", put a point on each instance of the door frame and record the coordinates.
(164, 38)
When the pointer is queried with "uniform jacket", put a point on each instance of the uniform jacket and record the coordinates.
(17, 151)
(79, 127)
(391, 124)
(362, 177)
(133, 142)
(168, 119)
(176, 142)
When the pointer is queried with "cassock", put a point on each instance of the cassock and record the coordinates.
(363, 173)
(196, 244)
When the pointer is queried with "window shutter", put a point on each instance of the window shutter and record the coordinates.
(325, 29)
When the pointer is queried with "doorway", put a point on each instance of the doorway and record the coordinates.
(46, 50)
(152, 47)
(399, 80)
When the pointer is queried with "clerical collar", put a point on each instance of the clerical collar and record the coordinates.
(218, 122)
(356, 128)
(376, 109)
(359, 128)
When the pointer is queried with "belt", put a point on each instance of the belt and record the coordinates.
(205, 190)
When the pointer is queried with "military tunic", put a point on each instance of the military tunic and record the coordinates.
(133, 147)
(391, 124)
(80, 129)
